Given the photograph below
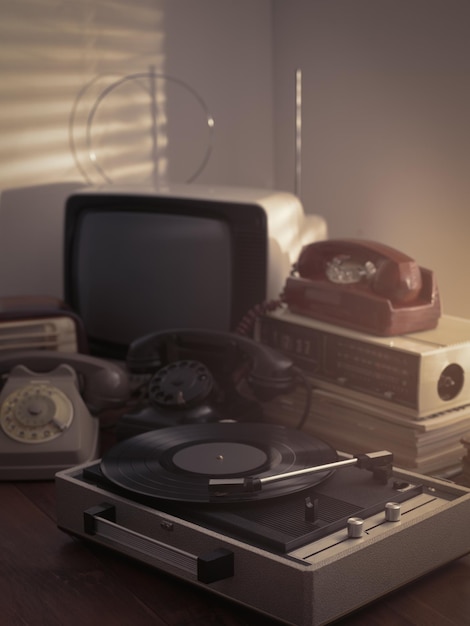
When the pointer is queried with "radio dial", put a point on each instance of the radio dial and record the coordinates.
(450, 382)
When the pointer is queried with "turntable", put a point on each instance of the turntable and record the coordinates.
(266, 516)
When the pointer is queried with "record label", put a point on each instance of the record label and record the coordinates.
(220, 458)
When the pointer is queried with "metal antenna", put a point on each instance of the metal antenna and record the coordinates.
(298, 132)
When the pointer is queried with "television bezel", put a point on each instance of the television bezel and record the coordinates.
(247, 225)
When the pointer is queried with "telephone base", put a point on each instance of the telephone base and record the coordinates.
(24, 470)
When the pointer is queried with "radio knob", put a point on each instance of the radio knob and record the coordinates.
(392, 512)
(355, 527)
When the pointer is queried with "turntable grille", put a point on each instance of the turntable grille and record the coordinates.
(288, 516)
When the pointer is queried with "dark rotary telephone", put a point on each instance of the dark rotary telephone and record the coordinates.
(196, 377)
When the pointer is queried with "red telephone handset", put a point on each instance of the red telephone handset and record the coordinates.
(364, 285)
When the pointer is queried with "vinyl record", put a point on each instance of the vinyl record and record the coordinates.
(177, 463)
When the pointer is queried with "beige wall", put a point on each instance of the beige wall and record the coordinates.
(386, 133)
(62, 74)
(50, 56)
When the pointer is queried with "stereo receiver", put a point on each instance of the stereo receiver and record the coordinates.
(417, 374)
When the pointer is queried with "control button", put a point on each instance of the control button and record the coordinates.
(355, 527)
(392, 512)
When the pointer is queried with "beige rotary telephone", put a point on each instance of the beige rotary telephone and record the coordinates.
(48, 409)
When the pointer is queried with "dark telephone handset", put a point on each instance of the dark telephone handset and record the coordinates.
(103, 385)
(195, 377)
(386, 271)
(270, 372)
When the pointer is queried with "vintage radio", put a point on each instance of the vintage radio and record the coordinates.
(417, 374)
(40, 322)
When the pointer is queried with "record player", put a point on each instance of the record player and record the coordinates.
(266, 516)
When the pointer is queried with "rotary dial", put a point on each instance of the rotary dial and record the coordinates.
(345, 270)
(36, 413)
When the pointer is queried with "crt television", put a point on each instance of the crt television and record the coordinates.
(143, 260)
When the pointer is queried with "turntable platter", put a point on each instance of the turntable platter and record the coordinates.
(177, 463)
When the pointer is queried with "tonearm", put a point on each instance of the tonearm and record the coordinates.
(380, 463)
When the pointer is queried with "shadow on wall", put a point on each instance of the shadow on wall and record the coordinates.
(31, 239)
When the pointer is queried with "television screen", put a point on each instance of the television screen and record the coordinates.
(141, 261)
(157, 270)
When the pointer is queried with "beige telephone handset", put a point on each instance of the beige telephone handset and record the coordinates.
(48, 409)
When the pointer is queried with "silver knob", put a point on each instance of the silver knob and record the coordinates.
(392, 512)
(355, 527)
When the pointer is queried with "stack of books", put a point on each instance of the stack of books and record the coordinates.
(466, 460)
(429, 446)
